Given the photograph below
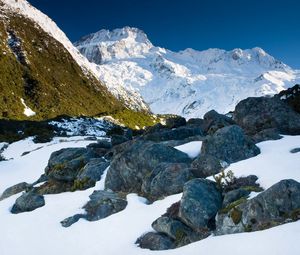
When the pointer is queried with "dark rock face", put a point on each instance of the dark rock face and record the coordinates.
(130, 168)
(291, 96)
(295, 150)
(65, 164)
(277, 205)
(155, 241)
(118, 139)
(214, 121)
(229, 144)
(175, 122)
(207, 165)
(166, 179)
(255, 114)
(266, 134)
(101, 205)
(14, 190)
(199, 204)
(28, 202)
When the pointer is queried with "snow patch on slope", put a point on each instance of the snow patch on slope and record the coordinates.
(27, 111)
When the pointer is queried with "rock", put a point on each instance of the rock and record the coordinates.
(130, 168)
(277, 205)
(207, 165)
(97, 150)
(180, 133)
(166, 179)
(175, 122)
(295, 150)
(255, 114)
(15, 189)
(229, 144)
(55, 187)
(196, 122)
(93, 170)
(291, 96)
(28, 202)
(65, 164)
(214, 121)
(118, 139)
(155, 241)
(102, 204)
(102, 144)
(234, 195)
(266, 135)
(199, 204)
(174, 143)
(244, 182)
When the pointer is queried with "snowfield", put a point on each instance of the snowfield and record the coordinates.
(40, 231)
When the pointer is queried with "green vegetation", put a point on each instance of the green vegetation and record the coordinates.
(50, 81)
(233, 205)
(236, 215)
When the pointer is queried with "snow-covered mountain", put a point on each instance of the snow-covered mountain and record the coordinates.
(188, 82)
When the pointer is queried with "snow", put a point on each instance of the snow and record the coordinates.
(192, 149)
(27, 111)
(188, 82)
(40, 230)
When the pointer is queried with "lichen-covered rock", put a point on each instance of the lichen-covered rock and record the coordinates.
(102, 204)
(234, 195)
(214, 121)
(134, 164)
(277, 205)
(15, 189)
(255, 114)
(229, 144)
(28, 202)
(155, 241)
(166, 179)
(199, 204)
(207, 165)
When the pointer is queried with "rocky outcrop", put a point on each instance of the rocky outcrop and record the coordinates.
(130, 168)
(28, 202)
(277, 205)
(255, 114)
(214, 121)
(15, 189)
(229, 144)
(291, 96)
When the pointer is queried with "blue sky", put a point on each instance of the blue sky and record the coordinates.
(176, 25)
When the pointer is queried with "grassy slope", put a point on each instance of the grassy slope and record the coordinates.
(51, 82)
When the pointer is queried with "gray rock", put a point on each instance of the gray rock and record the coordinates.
(130, 168)
(234, 195)
(255, 114)
(230, 144)
(295, 150)
(291, 96)
(166, 179)
(214, 121)
(155, 241)
(118, 139)
(266, 135)
(199, 204)
(65, 164)
(277, 205)
(71, 220)
(207, 165)
(28, 202)
(15, 189)
(175, 122)
(93, 170)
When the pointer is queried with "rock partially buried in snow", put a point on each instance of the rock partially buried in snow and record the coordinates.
(155, 241)
(277, 205)
(28, 202)
(229, 144)
(199, 204)
(15, 189)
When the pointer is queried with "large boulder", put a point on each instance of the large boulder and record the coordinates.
(229, 144)
(214, 121)
(199, 204)
(255, 114)
(166, 179)
(207, 165)
(102, 204)
(155, 241)
(291, 96)
(28, 202)
(277, 205)
(130, 168)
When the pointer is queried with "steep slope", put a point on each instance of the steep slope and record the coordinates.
(42, 75)
(189, 82)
